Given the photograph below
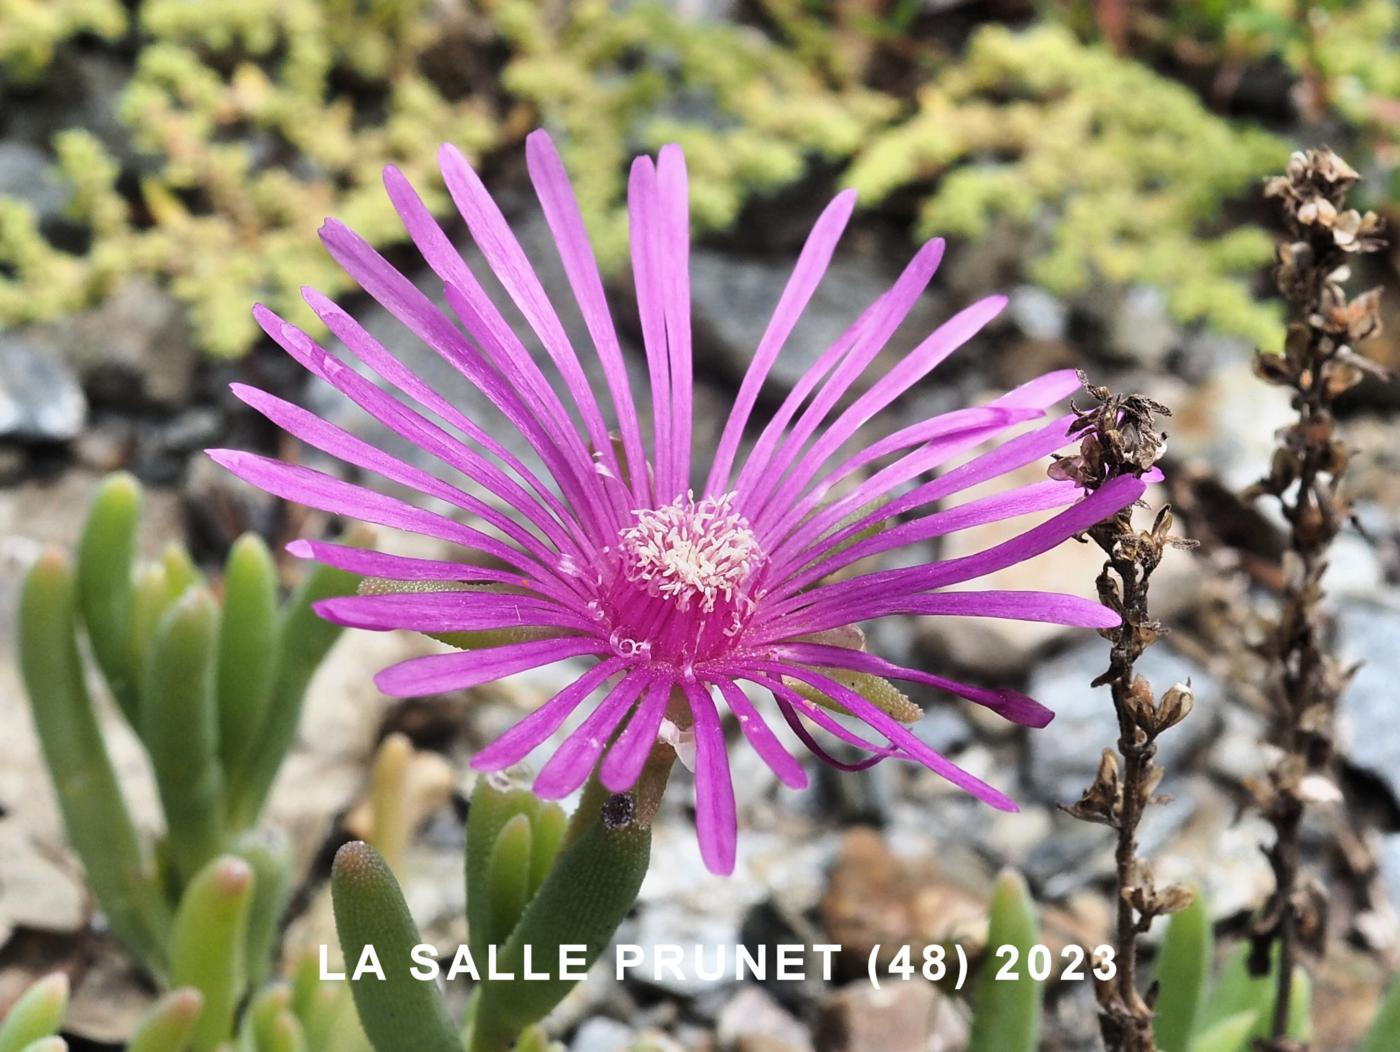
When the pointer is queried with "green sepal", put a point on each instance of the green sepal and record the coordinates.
(94, 812)
(169, 1024)
(1385, 1028)
(880, 692)
(247, 657)
(180, 729)
(473, 640)
(401, 1011)
(1006, 1013)
(37, 1014)
(303, 640)
(508, 877)
(1183, 969)
(269, 855)
(589, 891)
(106, 553)
(207, 946)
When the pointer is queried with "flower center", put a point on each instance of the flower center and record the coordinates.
(690, 552)
(685, 571)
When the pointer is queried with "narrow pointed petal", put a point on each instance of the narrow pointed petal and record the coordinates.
(531, 732)
(716, 820)
(574, 761)
(439, 673)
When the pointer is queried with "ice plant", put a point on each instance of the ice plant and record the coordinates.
(687, 584)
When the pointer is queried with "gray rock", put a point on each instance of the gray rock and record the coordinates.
(1039, 314)
(40, 400)
(601, 1034)
(1065, 755)
(27, 174)
(134, 351)
(1140, 328)
(753, 1022)
(1370, 734)
(733, 299)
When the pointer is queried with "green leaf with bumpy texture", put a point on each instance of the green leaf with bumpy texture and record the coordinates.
(586, 895)
(94, 813)
(494, 802)
(1183, 968)
(206, 949)
(399, 1012)
(1006, 1012)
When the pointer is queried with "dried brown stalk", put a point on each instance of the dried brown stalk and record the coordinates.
(1120, 437)
(1318, 364)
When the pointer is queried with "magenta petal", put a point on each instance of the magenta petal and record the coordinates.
(433, 612)
(900, 736)
(716, 821)
(1010, 704)
(527, 735)
(438, 673)
(625, 760)
(781, 762)
(573, 761)
(369, 563)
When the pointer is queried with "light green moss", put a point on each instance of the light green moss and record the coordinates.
(1120, 173)
(252, 120)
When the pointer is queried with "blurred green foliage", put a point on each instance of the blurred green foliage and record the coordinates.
(249, 120)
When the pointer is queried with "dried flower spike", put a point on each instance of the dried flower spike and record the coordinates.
(1319, 363)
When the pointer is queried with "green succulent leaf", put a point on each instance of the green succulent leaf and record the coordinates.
(168, 1026)
(247, 661)
(106, 551)
(75, 753)
(495, 802)
(303, 640)
(180, 728)
(207, 946)
(1230, 1034)
(1183, 968)
(589, 890)
(36, 1015)
(400, 1011)
(1384, 1029)
(1006, 1013)
(269, 856)
(508, 876)
(549, 826)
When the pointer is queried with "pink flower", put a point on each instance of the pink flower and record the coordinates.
(614, 556)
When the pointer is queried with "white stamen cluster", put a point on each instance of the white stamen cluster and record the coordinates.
(690, 551)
